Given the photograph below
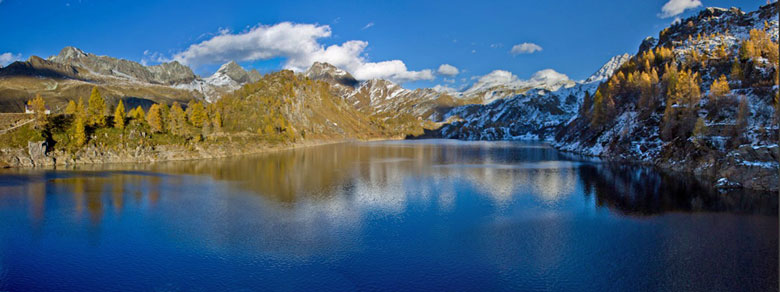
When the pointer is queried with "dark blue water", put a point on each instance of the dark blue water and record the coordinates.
(392, 216)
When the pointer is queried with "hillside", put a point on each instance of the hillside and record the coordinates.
(383, 99)
(278, 109)
(535, 114)
(392, 103)
(297, 107)
(657, 106)
(701, 98)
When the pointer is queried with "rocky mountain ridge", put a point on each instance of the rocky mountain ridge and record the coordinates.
(384, 99)
(390, 100)
(614, 113)
(70, 73)
(607, 69)
(165, 73)
(533, 114)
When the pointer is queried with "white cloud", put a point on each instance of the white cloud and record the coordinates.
(369, 25)
(8, 58)
(444, 89)
(448, 70)
(299, 45)
(525, 48)
(260, 42)
(676, 7)
(394, 70)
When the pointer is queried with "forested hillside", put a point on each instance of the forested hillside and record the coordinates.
(703, 97)
(279, 109)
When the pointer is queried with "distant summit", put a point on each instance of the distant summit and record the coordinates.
(236, 73)
(331, 74)
(165, 73)
(73, 70)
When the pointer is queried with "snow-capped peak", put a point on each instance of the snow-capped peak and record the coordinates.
(608, 69)
(497, 78)
(548, 78)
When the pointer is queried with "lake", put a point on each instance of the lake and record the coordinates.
(391, 216)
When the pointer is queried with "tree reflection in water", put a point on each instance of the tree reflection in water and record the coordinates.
(384, 175)
(635, 190)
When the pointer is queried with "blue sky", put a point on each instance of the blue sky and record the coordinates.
(576, 37)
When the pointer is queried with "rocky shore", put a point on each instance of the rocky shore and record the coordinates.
(37, 155)
(750, 167)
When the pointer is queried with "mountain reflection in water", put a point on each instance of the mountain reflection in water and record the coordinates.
(406, 215)
(383, 174)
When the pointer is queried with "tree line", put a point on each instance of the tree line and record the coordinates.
(159, 118)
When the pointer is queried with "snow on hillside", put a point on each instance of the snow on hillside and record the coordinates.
(500, 84)
(548, 101)
(606, 71)
(747, 157)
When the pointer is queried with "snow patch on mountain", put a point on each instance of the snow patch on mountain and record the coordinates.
(535, 111)
(609, 68)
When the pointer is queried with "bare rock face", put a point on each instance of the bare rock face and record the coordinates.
(753, 167)
(38, 152)
(172, 73)
(234, 72)
(329, 73)
(166, 73)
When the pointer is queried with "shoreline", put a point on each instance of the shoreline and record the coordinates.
(34, 157)
(30, 159)
(707, 174)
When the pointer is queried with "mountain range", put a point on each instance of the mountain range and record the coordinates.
(73, 72)
(499, 106)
